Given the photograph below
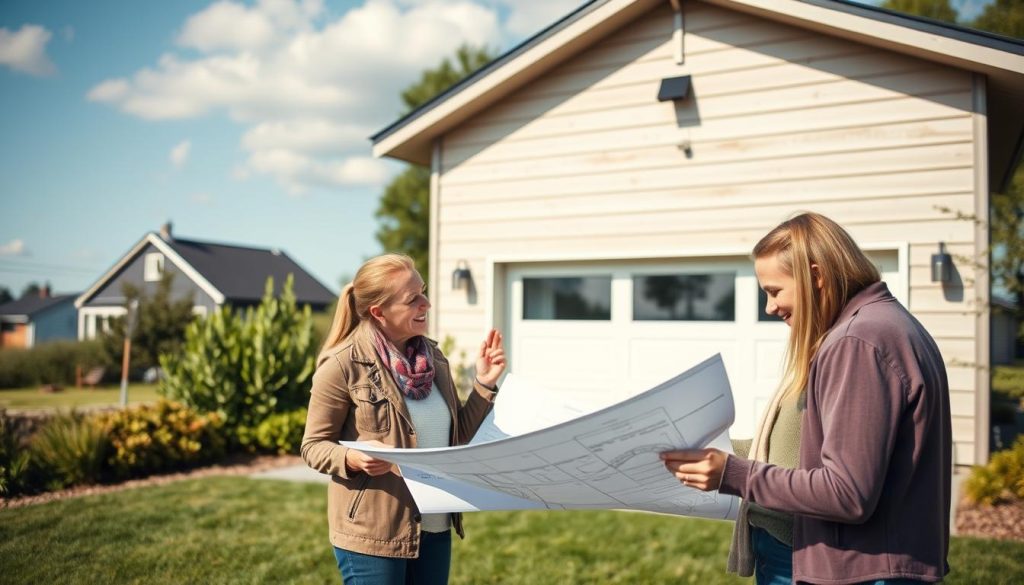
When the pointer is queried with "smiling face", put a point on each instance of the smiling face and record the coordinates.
(778, 285)
(405, 314)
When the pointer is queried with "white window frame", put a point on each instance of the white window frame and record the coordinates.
(154, 267)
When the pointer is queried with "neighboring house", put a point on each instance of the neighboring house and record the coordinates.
(36, 318)
(603, 183)
(214, 274)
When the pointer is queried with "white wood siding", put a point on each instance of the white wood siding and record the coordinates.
(585, 161)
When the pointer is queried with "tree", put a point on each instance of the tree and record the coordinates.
(31, 289)
(159, 328)
(5, 295)
(1004, 17)
(1006, 223)
(404, 210)
(936, 9)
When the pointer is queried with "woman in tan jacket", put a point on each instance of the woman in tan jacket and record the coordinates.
(380, 379)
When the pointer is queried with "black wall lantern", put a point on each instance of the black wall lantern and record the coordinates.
(461, 276)
(942, 265)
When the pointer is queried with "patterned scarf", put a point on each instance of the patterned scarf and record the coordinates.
(414, 371)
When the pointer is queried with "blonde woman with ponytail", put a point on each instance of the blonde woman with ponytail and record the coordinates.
(848, 477)
(380, 379)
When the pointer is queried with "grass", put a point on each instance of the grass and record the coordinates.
(239, 530)
(32, 398)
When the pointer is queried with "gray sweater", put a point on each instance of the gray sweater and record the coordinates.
(871, 495)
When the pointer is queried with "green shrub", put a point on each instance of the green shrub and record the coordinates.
(53, 362)
(279, 433)
(1008, 383)
(14, 459)
(71, 450)
(162, 437)
(245, 368)
(1001, 480)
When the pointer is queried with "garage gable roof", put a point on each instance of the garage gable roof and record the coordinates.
(1001, 59)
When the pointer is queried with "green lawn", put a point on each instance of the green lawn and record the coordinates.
(237, 530)
(32, 398)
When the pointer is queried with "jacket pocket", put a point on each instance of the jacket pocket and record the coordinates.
(372, 410)
(358, 496)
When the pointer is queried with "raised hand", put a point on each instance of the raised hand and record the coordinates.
(490, 360)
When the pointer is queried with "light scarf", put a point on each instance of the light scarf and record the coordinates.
(741, 553)
(414, 371)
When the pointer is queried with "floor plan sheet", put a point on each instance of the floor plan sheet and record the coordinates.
(607, 458)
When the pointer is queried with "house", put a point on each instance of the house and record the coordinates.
(599, 187)
(214, 274)
(36, 318)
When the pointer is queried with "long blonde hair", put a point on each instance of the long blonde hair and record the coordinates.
(374, 284)
(812, 239)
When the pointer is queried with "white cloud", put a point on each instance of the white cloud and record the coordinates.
(309, 90)
(15, 247)
(527, 17)
(179, 154)
(25, 50)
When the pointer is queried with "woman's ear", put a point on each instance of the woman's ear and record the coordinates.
(819, 280)
(376, 312)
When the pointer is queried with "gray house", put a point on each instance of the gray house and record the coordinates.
(33, 319)
(214, 274)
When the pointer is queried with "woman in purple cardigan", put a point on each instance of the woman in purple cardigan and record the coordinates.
(870, 497)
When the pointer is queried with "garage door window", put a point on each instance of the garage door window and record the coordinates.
(584, 298)
(684, 297)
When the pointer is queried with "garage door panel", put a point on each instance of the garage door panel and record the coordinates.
(569, 362)
(652, 361)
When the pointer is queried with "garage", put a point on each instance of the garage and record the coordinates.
(599, 331)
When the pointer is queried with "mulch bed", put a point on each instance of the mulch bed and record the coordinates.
(1003, 521)
(237, 465)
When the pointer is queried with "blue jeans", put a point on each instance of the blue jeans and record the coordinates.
(430, 568)
(773, 559)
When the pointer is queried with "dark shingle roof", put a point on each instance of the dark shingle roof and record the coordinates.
(240, 273)
(31, 304)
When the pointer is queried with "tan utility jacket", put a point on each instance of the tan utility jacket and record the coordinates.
(355, 398)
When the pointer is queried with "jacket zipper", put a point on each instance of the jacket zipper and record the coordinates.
(359, 497)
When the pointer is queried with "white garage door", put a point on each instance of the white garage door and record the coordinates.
(603, 331)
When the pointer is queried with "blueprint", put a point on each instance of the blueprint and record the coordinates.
(569, 458)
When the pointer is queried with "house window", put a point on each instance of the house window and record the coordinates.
(584, 298)
(154, 268)
(685, 297)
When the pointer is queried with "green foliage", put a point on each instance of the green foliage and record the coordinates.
(5, 295)
(1007, 234)
(279, 433)
(71, 449)
(163, 437)
(999, 481)
(1008, 383)
(14, 459)
(462, 371)
(936, 9)
(53, 362)
(245, 368)
(159, 326)
(404, 209)
(1004, 17)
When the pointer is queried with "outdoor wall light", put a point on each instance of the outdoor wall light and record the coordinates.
(942, 265)
(461, 276)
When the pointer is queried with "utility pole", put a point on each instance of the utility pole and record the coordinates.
(129, 329)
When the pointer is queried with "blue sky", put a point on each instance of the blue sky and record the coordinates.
(240, 122)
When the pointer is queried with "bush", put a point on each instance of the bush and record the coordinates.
(279, 433)
(71, 449)
(999, 481)
(245, 368)
(1008, 383)
(14, 459)
(161, 437)
(53, 362)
